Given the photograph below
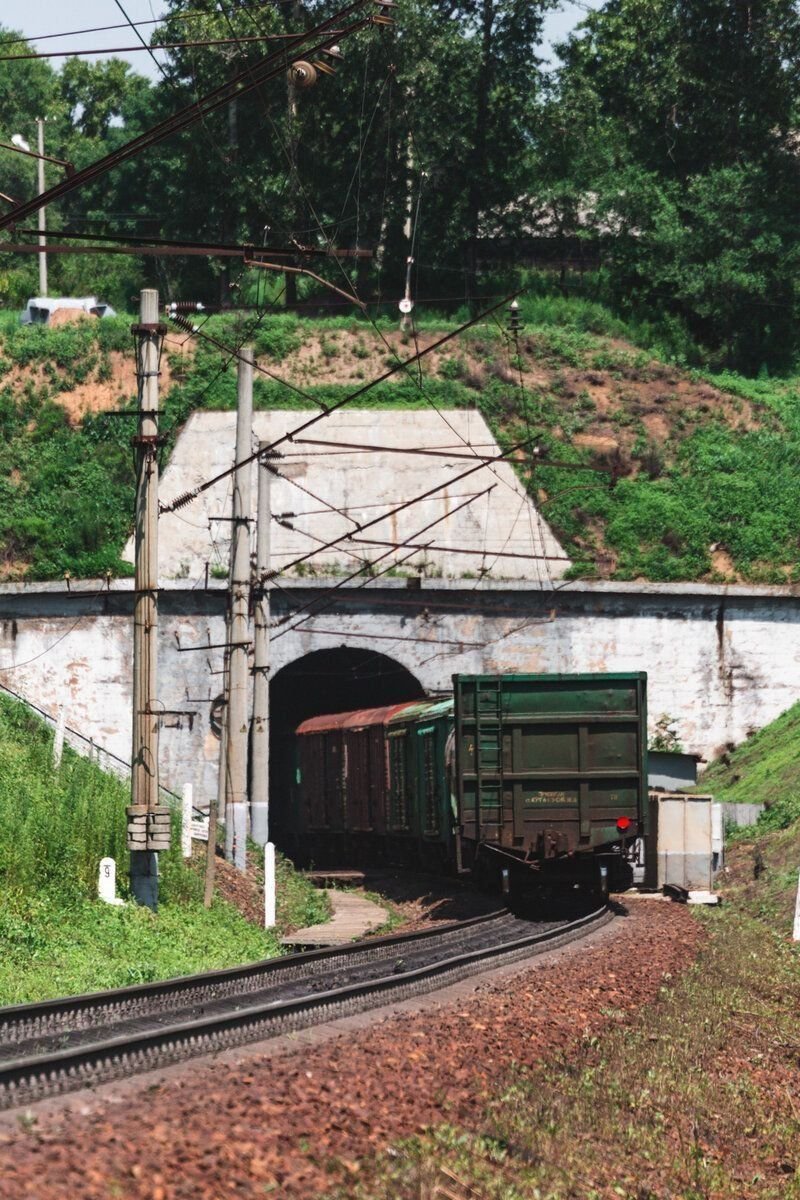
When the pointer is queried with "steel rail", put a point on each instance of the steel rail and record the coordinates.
(47, 1016)
(32, 1077)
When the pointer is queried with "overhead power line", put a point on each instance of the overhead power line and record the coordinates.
(318, 604)
(149, 47)
(187, 16)
(212, 249)
(320, 38)
(393, 512)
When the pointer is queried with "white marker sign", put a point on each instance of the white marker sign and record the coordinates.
(107, 882)
(269, 885)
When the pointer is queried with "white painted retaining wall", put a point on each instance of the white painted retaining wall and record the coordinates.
(722, 662)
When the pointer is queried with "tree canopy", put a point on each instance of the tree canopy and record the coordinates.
(666, 138)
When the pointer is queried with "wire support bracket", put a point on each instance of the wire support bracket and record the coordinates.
(157, 327)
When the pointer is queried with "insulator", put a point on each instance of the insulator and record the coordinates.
(384, 14)
(181, 306)
(302, 74)
(323, 67)
(181, 501)
(181, 322)
(514, 322)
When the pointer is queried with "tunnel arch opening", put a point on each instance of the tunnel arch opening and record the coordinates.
(325, 681)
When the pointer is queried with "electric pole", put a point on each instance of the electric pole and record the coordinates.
(42, 212)
(236, 731)
(148, 822)
(406, 304)
(259, 782)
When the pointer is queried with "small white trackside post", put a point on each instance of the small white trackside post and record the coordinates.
(796, 932)
(186, 821)
(269, 885)
(58, 740)
(107, 882)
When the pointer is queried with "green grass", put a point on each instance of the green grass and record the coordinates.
(765, 769)
(55, 937)
(66, 494)
(48, 949)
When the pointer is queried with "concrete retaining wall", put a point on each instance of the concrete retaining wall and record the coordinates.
(721, 662)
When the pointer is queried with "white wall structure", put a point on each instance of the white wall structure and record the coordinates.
(722, 661)
(322, 491)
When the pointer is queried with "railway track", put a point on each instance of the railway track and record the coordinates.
(63, 1045)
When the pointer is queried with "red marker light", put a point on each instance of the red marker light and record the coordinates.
(623, 823)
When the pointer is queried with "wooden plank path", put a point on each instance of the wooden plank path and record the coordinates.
(352, 917)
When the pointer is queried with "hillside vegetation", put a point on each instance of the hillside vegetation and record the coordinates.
(56, 938)
(699, 478)
(765, 769)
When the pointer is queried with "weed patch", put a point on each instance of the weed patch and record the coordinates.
(55, 937)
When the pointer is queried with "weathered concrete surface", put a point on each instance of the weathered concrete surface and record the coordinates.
(351, 918)
(721, 661)
(325, 491)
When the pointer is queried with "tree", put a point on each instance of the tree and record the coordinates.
(439, 105)
(693, 104)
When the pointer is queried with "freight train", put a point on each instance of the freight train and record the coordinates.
(512, 777)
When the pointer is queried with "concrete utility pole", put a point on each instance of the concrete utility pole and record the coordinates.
(42, 212)
(239, 638)
(259, 783)
(148, 822)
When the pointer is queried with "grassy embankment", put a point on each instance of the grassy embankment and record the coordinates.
(55, 937)
(705, 463)
(697, 1097)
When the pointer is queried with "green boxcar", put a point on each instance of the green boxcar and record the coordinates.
(551, 767)
(549, 771)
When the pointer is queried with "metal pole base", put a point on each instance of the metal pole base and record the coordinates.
(144, 878)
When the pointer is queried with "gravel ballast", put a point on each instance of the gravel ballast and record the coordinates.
(274, 1124)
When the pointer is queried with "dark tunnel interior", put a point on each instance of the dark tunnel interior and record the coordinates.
(326, 681)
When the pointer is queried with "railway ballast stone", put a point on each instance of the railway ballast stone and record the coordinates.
(270, 1125)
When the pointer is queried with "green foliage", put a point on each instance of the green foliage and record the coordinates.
(668, 140)
(764, 769)
(734, 489)
(66, 492)
(666, 736)
(54, 828)
(784, 813)
(299, 903)
(55, 938)
(50, 947)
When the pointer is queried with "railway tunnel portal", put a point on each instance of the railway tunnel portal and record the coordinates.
(326, 681)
